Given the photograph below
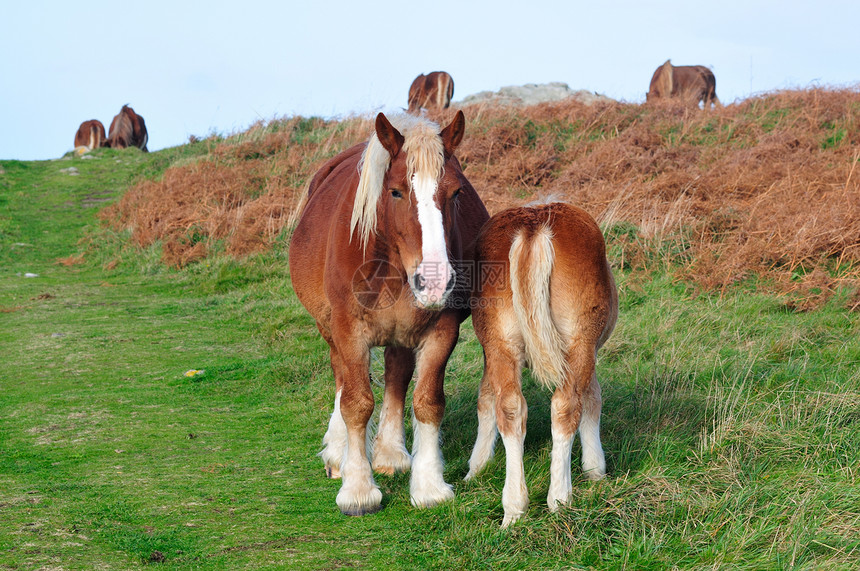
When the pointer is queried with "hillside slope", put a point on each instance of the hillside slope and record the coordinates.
(765, 187)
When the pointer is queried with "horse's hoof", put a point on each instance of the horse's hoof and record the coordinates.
(384, 470)
(332, 472)
(391, 462)
(356, 511)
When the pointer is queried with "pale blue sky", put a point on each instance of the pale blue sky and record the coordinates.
(198, 67)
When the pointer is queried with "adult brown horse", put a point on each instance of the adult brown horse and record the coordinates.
(90, 135)
(431, 91)
(693, 82)
(545, 296)
(375, 259)
(128, 129)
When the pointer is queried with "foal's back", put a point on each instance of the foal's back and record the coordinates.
(582, 302)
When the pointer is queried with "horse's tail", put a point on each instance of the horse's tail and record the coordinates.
(667, 79)
(713, 86)
(531, 262)
(94, 139)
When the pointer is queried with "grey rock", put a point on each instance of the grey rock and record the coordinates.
(533, 93)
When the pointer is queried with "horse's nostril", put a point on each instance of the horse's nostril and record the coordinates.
(419, 281)
(452, 281)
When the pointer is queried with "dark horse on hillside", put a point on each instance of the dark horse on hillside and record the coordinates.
(376, 259)
(128, 130)
(431, 91)
(551, 303)
(692, 82)
(90, 135)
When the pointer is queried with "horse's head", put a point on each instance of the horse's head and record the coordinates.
(417, 201)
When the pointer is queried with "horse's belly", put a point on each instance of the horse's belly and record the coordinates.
(307, 271)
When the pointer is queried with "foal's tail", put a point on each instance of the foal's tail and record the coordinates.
(531, 263)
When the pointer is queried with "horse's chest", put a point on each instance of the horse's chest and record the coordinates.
(402, 328)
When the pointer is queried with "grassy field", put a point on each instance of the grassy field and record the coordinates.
(731, 422)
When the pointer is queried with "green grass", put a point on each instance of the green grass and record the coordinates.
(730, 423)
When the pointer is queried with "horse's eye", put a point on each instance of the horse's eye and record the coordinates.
(456, 193)
(396, 193)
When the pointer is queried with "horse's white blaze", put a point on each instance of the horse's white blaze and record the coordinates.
(427, 486)
(435, 269)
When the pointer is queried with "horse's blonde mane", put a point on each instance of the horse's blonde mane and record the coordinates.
(424, 157)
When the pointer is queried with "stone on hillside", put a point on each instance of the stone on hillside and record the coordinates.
(533, 93)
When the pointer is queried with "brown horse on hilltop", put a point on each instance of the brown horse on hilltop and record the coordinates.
(128, 130)
(431, 91)
(377, 259)
(90, 135)
(693, 82)
(544, 296)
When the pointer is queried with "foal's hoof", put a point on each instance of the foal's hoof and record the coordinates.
(332, 472)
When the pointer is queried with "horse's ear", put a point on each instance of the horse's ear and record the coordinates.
(452, 135)
(390, 137)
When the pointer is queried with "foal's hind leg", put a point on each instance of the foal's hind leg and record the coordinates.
(487, 430)
(566, 407)
(593, 460)
(389, 451)
(511, 415)
(501, 404)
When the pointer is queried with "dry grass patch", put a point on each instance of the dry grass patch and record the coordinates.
(766, 187)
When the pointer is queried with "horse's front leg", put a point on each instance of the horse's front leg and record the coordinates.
(359, 494)
(427, 485)
(389, 451)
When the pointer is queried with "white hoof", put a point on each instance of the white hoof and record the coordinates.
(511, 518)
(594, 474)
(391, 462)
(429, 494)
(558, 498)
(352, 502)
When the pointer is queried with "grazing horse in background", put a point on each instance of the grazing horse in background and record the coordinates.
(694, 82)
(90, 135)
(128, 130)
(383, 231)
(545, 296)
(431, 91)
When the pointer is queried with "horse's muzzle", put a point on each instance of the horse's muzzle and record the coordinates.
(431, 284)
